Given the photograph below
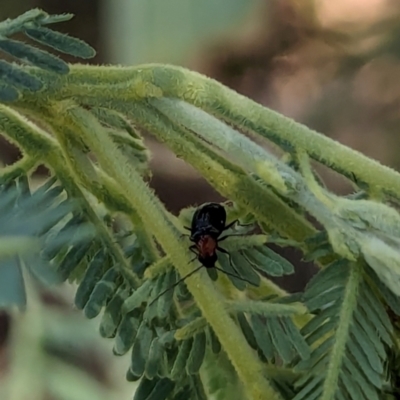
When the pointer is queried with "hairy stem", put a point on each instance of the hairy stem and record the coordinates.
(245, 362)
(110, 83)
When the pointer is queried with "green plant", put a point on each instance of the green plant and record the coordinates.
(337, 340)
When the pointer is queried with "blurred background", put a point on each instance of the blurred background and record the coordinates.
(333, 66)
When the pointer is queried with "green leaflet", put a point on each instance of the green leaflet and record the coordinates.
(283, 347)
(151, 311)
(162, 389)
(155, 356)
(103, 290)
(226, 266)
(61, 42)
(316, 369)
(360, 379)
(93, 274)
(162, 354)
(170, 356)
(41, 269)
(145, 388)
(8, 93)
(180, 362)
(369, 330)
(316, 355)
(264, 259)
(284, 388)
(372, 375)
(140, 350)
(165, 302)
(54, 241)
(246, 329)
(322, 330)
(390, 298)
(321, 317)
(286, 266)
(319, 301)
(72, 260)
(213, 341)
(261, 262)
(182, 292)
(137, 260)
(350, 386)
(131, 377)
(335, 274)
(197, 354)
(126, 332)
(376, 313)
(244, 268)
(297, 340)
(112, 314)
(183, 394)
(197, 388)
(220, 378)
(368, 347)
(340, 395)
(312, 389)
(39, 58)
(139, 296)
(17, 77)
(167, 339)
(262, 337)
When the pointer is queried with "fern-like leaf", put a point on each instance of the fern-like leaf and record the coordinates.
(12, 76)
(349, 334)
(30, 220)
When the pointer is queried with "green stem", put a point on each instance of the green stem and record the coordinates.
(108, 84)
(103, 187)
(207, 298)
(190, 329)
(229, 179)
(252, 158)
(37, 144)
(244, 113)
(70, 186)
(22, 166)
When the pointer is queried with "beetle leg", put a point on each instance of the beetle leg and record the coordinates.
(192, 249)
(226, 236)
(236, 221)
(231, 224)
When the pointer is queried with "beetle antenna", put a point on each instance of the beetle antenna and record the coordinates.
(175, 284)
